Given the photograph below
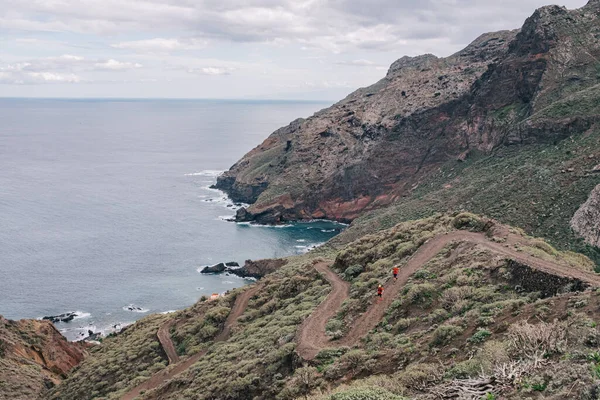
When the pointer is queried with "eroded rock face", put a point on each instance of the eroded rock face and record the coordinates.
(34, 356)
(375, 146)
(586, 221)
(258, 269)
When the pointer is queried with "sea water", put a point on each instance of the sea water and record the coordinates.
(106, 208)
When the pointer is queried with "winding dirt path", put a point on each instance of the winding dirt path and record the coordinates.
(241, 302)
(312, 338)
(164, 337)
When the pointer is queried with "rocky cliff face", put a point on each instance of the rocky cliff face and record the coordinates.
(34, 357)
(374, 147)
(586, 221)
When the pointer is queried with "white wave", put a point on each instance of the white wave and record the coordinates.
(81, 315)
(227, 282)
(254, 225)
(169, 312)
(310, 221)
(328, 230)
(301, 240)
(309, 248)
(228, 218)
(209, 172)
(134, 308)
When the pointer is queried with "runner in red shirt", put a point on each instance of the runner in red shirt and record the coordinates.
(395, 272)
(380, 292)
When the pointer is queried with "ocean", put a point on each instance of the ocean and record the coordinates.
(105, 205)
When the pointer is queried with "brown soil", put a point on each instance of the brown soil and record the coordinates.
(164, 337)
(241, 302)
(312, 338)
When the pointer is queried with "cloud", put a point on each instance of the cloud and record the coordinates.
(161, 45)
(66, 68)
(332, 25)
(115, 65)
(19, 75)
(358, 63)
(211, 71)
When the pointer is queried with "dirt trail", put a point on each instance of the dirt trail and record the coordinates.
(241, 302)
(311, 335)
(164, 337)
(312, 338)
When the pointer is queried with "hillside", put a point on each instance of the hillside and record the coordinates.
(477, 304)
(478, 175)
(34, 357)
(510, 97)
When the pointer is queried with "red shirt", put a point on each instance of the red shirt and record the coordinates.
(379, 290)
(395, 270)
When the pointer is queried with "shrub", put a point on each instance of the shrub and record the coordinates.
(537, 341)
(480, 336)
(438, 315)
(305, 380)
(365, 394)
(443, 334)
(420, 376)
(403, 324)
(353, 271)
(354, 360)
(421, 293)
(469, 221)
(454, 295)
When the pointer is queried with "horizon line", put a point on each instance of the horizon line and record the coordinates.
(169, 98)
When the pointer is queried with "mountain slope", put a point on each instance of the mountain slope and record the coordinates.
(532, 87)
(461, 294)
(34, 357)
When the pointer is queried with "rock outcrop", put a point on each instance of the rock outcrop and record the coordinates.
(258, 269)
(586, 221)
(537, 84)
(214, 269)
(34, 357)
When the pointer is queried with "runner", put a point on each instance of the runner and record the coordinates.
(380, 292)
(395, 272)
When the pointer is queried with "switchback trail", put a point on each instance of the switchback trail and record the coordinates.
(164, 337)
(312, 338)
(241, 302)
(311, 335)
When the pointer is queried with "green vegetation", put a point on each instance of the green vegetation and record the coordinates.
(121, 361)
(457, 318)
(365, 394)
(537, 187)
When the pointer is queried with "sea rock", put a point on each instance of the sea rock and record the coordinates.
(232, 264)
(66, 317)
(257, 269)
(215, 269)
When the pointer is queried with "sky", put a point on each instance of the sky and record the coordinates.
(231, 49)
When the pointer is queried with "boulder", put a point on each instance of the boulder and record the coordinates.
(66, 317)
(215, 269)
(257, 269)
(232, 264)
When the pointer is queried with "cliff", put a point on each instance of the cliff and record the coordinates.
(586, 221)
(375, 147)
(34, 357)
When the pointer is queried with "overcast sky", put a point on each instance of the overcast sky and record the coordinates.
(294, 49)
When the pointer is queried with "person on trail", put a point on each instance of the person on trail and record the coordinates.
(395, 272)
(380, 292)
